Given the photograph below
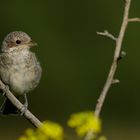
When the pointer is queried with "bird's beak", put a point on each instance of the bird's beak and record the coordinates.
(32, 43)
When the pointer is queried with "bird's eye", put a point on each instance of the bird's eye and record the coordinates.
(18, 41)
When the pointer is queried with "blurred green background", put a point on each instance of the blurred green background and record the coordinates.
(76, 62)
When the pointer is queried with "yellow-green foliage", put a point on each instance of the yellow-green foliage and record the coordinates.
(48, 131)
(102, 138)
(85, 122)
(82, 122)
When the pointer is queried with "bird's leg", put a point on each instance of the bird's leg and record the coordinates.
(26, 101)
(25, 106)
(3, 91)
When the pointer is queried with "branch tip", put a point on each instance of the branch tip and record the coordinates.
(134, 19)
(122, 55)
(115, 81)
(107, 34)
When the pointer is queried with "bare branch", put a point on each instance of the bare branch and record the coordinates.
(107, 34)
(27, 114)
(110, 78)
(89, 135)
(113, 68)
(134, 19)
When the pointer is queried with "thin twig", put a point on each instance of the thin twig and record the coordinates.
(110, 78)
(113, 68)
(107, 34)
(27, 114)
(134, 19)
(115, 81)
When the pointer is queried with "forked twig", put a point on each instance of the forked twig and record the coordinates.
(107, 34)
(117, 52)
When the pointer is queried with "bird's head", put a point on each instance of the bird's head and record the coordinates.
(17, 40)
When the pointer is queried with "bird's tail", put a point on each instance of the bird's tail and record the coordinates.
(8, 108)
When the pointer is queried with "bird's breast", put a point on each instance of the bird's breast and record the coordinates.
(23, 73)
(21, 80)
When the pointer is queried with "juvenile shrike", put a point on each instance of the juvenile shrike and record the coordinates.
(19, 67)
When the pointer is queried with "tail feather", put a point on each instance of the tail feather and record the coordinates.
(8, 108)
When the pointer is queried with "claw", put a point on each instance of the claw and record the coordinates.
(25, 106)
(5, 89)
(23, 109)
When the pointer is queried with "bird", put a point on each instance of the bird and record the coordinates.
(20, 69)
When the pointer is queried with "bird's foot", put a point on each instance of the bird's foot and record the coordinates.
(25, 106)
(23, 109)
(5, 89)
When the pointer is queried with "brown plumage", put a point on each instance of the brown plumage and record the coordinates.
(19, 67)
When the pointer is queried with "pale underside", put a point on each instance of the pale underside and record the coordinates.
(20, 70)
